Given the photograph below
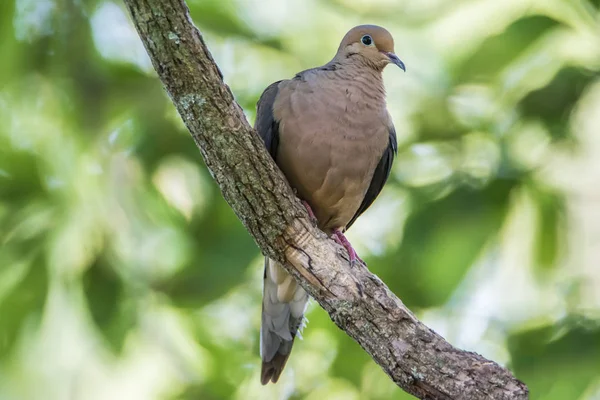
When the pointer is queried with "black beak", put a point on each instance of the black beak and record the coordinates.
(395, 60)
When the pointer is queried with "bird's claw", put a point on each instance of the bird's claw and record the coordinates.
(341, 239)
(338, 236)
(310, 212)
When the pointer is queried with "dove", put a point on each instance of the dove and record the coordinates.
(329, 131)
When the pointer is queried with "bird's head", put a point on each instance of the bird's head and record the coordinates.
(373, 44)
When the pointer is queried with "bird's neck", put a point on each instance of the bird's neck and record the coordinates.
(358, 75)
(356, 60)
(354, 66)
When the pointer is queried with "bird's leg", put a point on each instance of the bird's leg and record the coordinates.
(341, 239)
(311, 214)
(338, 236)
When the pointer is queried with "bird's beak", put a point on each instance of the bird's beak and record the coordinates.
(395, 60)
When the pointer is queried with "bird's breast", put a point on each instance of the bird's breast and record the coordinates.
(331, 140)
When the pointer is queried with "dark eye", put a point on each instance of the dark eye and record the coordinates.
(366, 40)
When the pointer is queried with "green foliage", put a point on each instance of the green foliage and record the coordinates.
(124, 274)
(554, 103)
(23, 303)
(557, 361)
(111, 309)
(226, 246)
(442, 240)
(221, 17)
(497, 52)
(549, 233)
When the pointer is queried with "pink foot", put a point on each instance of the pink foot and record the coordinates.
(311, 214)
(339, 237)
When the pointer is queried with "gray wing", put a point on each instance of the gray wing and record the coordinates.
(265, 124)
(380, 176)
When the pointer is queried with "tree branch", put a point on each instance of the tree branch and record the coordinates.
(415, 357)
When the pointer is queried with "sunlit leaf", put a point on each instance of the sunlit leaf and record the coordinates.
(8, 44)
(441, 241)
(23, 305)
(595, 3)
(557, 362)
(549, 235)
(224, 251)
(554, 103)
(435, 120)
(498, 51)
(220, 16)
(193, 392)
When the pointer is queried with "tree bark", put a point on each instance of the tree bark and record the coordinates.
(416, 358)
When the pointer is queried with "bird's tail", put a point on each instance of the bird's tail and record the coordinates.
(284, 303)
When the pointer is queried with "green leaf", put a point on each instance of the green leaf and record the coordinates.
(222, 17)
(441, 242)
(19, 174)
(557, 362)
(112, 310)
(435, 121)
(497, 51)
(549, 233)
(9, 47)
(194, 392)
(24, 304)
(554, 103)
(225, 250)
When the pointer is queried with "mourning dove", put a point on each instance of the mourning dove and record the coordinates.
(329, 131)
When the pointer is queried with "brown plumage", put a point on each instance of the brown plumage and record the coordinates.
(329, 131)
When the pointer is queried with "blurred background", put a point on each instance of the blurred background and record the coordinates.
(124, 274)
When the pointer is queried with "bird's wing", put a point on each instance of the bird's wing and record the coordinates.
(380, 176)
(266, 125)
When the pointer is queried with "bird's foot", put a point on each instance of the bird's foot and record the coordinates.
(311, 214)
(341, 239)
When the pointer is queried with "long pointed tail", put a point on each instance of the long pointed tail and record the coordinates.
(284, 303)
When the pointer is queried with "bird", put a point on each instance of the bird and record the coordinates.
(329, 131)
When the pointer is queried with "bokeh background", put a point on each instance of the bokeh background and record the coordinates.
(125, 275)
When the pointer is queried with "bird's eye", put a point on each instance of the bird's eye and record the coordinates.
(366, 40)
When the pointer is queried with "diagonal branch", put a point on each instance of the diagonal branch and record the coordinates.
(415, 357)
